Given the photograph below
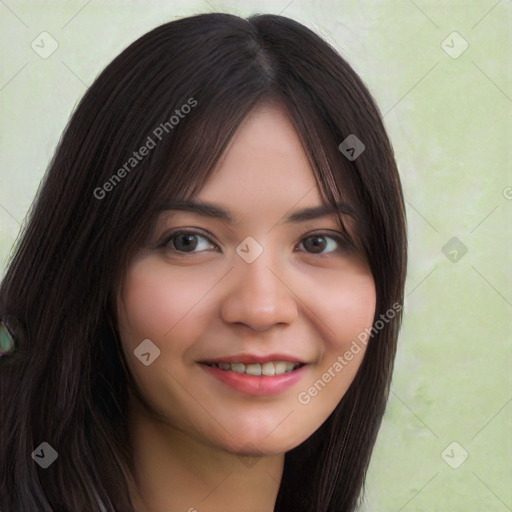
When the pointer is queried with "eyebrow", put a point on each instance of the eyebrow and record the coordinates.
(217, 212)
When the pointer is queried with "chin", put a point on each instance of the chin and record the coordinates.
(260, 446)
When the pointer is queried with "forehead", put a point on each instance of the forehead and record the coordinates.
(264, 165)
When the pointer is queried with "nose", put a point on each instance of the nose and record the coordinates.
(259, 295)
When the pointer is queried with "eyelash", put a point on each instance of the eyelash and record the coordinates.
(343, 244)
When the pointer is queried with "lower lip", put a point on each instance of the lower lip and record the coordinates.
(257, 385)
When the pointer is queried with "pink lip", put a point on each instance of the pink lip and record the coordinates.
(253, 358)
(256, 385)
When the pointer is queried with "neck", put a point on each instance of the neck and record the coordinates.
(177, 473)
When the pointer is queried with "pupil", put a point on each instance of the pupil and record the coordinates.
(189, 242)
(315, 245)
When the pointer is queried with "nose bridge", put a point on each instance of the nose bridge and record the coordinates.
(257, 294)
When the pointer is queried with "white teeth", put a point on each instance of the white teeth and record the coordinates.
(280, 367)
(237, 367)
(268, 369)
(253, 369)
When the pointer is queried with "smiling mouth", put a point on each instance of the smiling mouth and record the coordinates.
(268, 369)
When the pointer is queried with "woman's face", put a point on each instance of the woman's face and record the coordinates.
(259, 288)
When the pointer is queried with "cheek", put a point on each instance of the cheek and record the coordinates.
(159, 304)
(155, 300)
(344, 304)
(344, 307)
(356, 309)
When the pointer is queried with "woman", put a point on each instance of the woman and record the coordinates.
(203, 310)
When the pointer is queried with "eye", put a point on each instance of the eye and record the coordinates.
(318, 242)
(186, 242)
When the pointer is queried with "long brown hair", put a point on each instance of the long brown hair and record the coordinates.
(66, 383)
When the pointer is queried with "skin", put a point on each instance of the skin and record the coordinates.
(206, 446)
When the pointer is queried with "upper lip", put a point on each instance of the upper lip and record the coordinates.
(254, 358)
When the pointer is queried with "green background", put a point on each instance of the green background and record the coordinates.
(448, 113)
